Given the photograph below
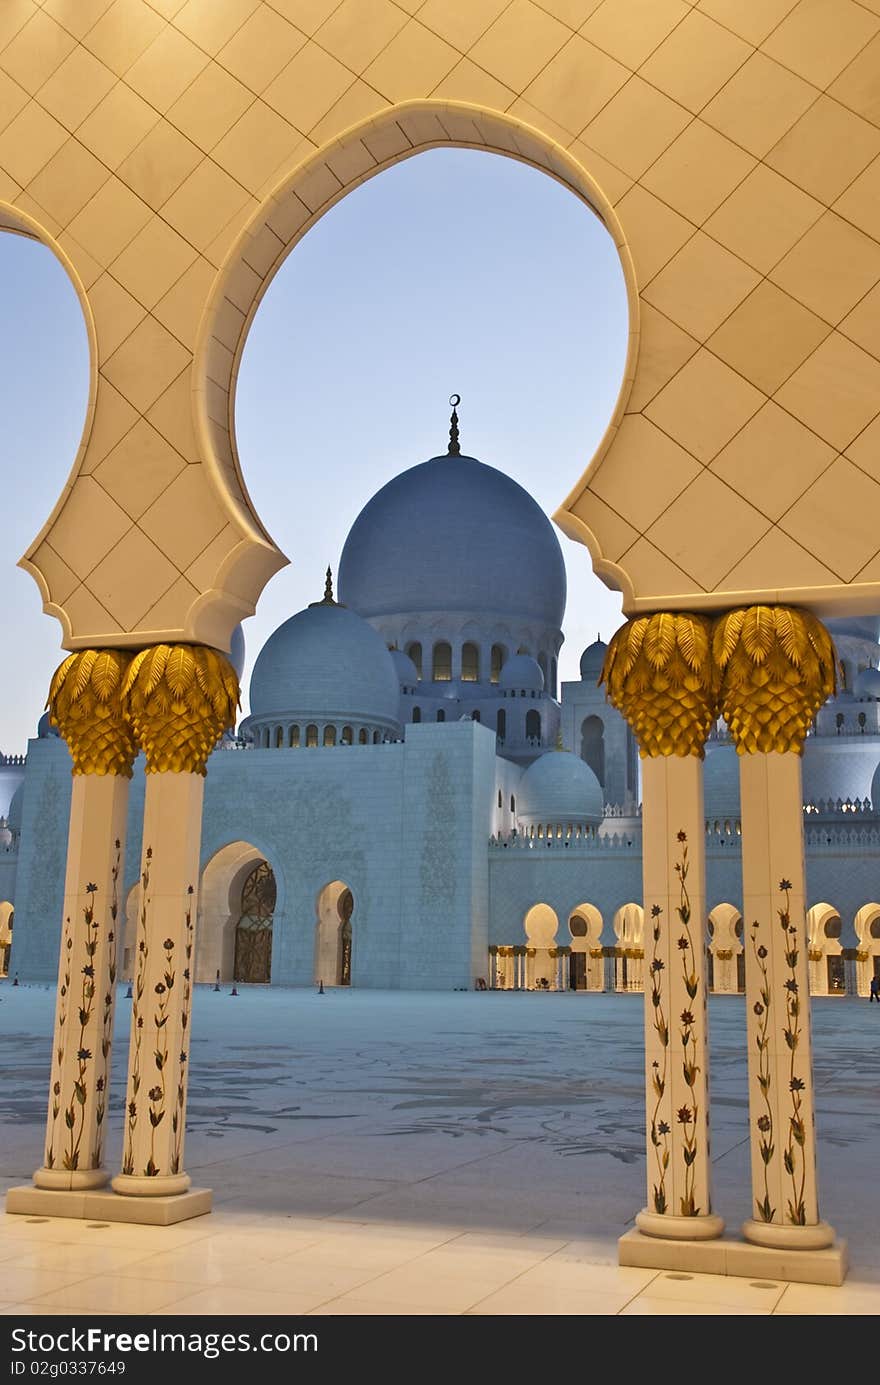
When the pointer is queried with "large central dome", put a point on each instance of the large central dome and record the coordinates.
(458, 536)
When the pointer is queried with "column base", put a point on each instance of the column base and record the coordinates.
(734, 1257)
(138, 1185)
(105, 1205)
(705, 1228)
(71, 1180)
(818, 1236)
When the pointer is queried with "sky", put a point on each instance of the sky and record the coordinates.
(454, 272)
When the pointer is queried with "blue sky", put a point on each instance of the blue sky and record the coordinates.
(453, 272)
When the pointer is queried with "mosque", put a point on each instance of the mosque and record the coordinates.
(415, 802)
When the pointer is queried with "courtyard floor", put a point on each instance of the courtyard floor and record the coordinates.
(422, 1153)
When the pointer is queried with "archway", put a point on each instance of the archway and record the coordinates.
(237, 910)
(725, 948)
(334, 935)
(6, 921)
(825, 951)
(628, 925)
(587, 962)
(541, 971)
(867, 925)
(593, 746)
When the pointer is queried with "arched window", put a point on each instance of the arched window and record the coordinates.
(501, 723)
(470, 663)
(253, 933)
(329, 735)
(533, 725)
(512, 804)
(499, 654)
(417, 714)
(441, 715)
(293, 736)
(279, 737)
(593, 746)
(363, 736)
(475, 716)
(442, 662)
(414, 650)
(553, 675)
(500, 800)
(266, 734)
(377, 738)
(347, 735)
(542, 665)
(311, 735)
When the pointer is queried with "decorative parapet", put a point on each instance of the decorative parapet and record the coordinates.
(13, 759)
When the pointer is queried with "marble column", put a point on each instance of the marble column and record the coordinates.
(179, 700)
(777, 669)
(659, 674)
(85, 705)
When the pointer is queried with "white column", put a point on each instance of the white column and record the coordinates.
(781, 1103)
(158, 1061)
(676, 1022)
(84, 1009)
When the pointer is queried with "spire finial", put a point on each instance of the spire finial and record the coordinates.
(328, 586)
(454, 449)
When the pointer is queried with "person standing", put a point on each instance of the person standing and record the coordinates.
(875, 989)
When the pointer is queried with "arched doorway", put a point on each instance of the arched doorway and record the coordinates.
(586, 964)
(593, 746)
(825, 951)
(7, 914)
(253, 932)
(541, 971)
(867, 924)
(726, 957)
(628, 926)
(333, 935)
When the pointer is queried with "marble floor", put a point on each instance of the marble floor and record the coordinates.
(422, 1153)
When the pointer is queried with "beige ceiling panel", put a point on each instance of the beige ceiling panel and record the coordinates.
(759, 104)
(203, 571)
(858, 86)
(68, 181)
(146, 363)
(14, 14)
(653, 575)
(28, 143)
(88, 527)
(819, 38)
(185, 517)
(698, 171)
(520, 42)
(763, 218)
(109, 221)
(707, 551)
(180, 596)
(701, 286)
(212, 23)
(663, 350)
(152, 262)
(768, 337)
(865, 450)
(75, 88)
(116, 315)
(836, 392)
(164, 70)
(358, 30)
(861, 202)
(56, 572)
(636, 126)
(614, 535)
(645, 472)
(826, 149)
(159, 164)
(37, 50)
(630, 30)
(862, 325)
(210, 106)
(308, 15)
(753, 20)
(172, 416)
(466, 82)
(181, 308)
(117, 126)
(576, 84)
(772, 460)
(257, 145)
(13, 99)
(704, 405)
(414, 62)
(113, 418)
(127, 581)
(139, 469)
(654, 232)
(831, 268)
(85, 612)
(571, 12)
(123, 33)
(836, 519)
(205, 203)
(695, 61)
(360, 102)
(263, 45)
(309, 85)
(459, 22)
(776, 554)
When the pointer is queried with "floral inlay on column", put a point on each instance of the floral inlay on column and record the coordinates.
(688, 1116)
(763, 1072)
(660, 1129)
(137, 1019)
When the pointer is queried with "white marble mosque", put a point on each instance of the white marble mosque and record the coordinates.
(415, 802)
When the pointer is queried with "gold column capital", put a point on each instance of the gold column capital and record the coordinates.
(85, 703)
(658, 673)
(777, 667)
(180, 699)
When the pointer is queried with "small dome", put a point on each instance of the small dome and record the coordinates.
(560, 787)
(721, 782)
(521, 671)
(45, 729)
(592, 660)
(407, 672)
(867, 686)
(328, 664)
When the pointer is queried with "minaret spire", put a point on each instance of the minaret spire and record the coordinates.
(328, 591)
(454, 449)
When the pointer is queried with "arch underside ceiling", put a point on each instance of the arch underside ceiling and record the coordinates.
(735, 159)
